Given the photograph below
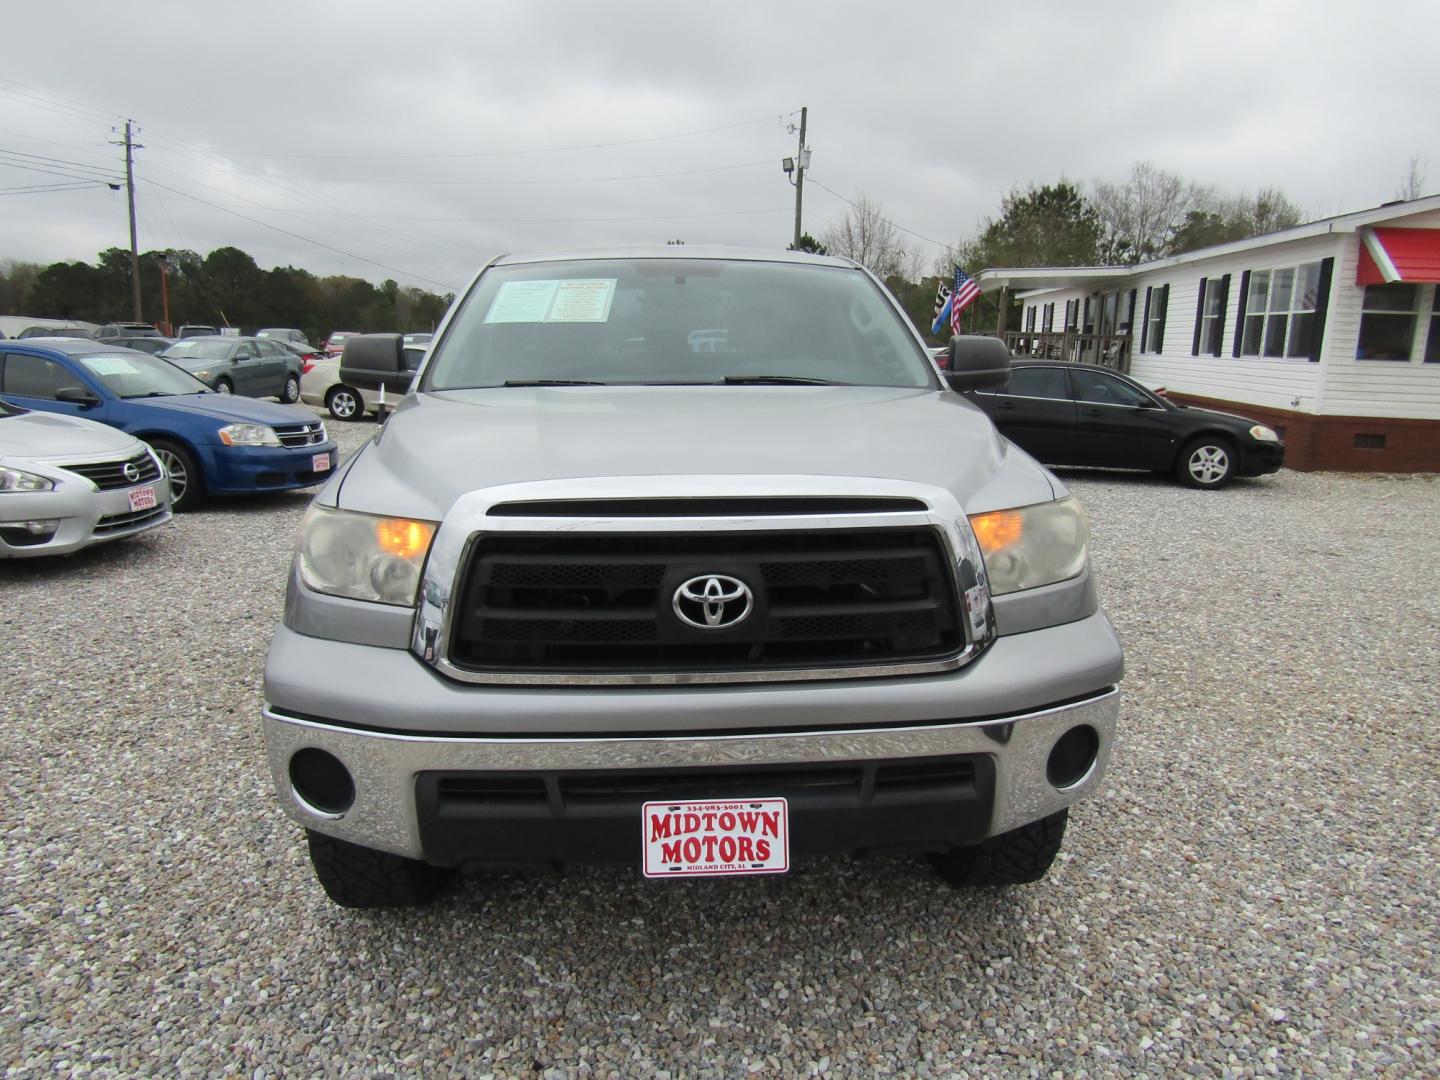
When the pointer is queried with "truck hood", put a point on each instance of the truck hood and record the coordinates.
(439, 446)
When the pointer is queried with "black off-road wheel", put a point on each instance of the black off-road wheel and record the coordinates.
(1017, 857)
(361, 877)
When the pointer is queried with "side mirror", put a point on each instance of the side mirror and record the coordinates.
(77, 395)
(371, 361)
(977, 363)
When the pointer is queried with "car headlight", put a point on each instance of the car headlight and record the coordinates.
(363, 556)
(1032, 546)
(19, 480)
(248, 435)
(1261, 433)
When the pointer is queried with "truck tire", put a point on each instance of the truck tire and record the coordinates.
(361, 877)
(1017, 857)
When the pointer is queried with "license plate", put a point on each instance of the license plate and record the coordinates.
(142, 498)
(320, 463)
(716, 838)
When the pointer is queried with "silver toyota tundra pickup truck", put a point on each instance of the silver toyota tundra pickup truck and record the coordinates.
(687, 560)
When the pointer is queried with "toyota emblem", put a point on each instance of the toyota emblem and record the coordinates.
(131, 472)
(713, 602)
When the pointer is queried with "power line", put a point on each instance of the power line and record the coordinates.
(297, 236)
(848, 202)
(504, 153)
(489, 183)
(37, 189)
(536, 221)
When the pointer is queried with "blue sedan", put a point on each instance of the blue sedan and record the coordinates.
(209, 443)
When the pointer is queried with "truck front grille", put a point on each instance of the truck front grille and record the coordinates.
(604, 603)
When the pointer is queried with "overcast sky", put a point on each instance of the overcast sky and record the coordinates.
(416, 140)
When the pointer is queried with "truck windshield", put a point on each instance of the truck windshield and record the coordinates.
(676, 321)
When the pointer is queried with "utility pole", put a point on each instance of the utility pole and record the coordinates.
(802, 158)
(130, 193)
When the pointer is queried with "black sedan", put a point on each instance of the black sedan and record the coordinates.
(239, 365)
(1078, 414)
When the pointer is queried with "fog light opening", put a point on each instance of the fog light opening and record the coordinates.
(1073, 756)
(320, 782)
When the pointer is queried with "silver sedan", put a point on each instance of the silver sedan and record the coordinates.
(67, 483)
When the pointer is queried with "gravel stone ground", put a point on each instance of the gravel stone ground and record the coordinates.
(1254, 893)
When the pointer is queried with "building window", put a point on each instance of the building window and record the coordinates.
(1432, 339)
(1047, 323)
(1280, 312)
(1387, 322)
(1072, 316)
(1212, 315)
(1156, 300)
(1030, 319)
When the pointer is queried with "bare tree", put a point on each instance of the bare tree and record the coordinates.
(1140, 216)
(869, 238)
(1413, 186)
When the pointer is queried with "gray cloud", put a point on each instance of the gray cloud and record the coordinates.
(316, 119)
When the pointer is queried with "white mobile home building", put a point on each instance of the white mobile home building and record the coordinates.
(1328, 332)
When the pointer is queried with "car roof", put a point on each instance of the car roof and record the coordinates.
(1068, 364)
(717, 252)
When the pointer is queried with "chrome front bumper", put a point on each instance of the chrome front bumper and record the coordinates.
(384, 765)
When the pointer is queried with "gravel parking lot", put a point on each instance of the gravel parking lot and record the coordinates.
(1255, 892)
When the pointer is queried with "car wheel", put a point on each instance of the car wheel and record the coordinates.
(290, 392)
(1206, 462)
(361, 877)
(344, 403)
(224, 386)
(1017, 857)
(187, 486)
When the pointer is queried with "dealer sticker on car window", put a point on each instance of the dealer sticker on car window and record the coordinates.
(709, 839)
(574, 300)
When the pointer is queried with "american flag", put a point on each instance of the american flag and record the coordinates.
(961, 297)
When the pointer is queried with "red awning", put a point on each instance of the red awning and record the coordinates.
(1388, 255)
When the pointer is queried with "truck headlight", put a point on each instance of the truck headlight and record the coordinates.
(1032, 546)
(19, 480)
(248, 435)
(363, 556)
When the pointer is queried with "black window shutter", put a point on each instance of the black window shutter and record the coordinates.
(1220, 315)
(1322, 304)
(1199, 318)
(1134, 295)
(1145, 323)
(1240, 305)
(1164, 310)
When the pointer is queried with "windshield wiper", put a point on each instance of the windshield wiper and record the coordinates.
(149, 393)
(551, 382)
(780, 380)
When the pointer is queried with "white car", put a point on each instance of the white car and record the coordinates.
(322, 385)
(67, 483)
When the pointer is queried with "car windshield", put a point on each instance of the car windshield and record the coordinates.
(200, 349)
(676, 321)
(135, 374)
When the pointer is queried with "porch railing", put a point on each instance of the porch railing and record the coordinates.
(1107, 350)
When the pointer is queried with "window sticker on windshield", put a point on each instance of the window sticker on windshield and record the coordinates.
(571, 301)
(522, 301)
(583, 300)
(110, 365)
